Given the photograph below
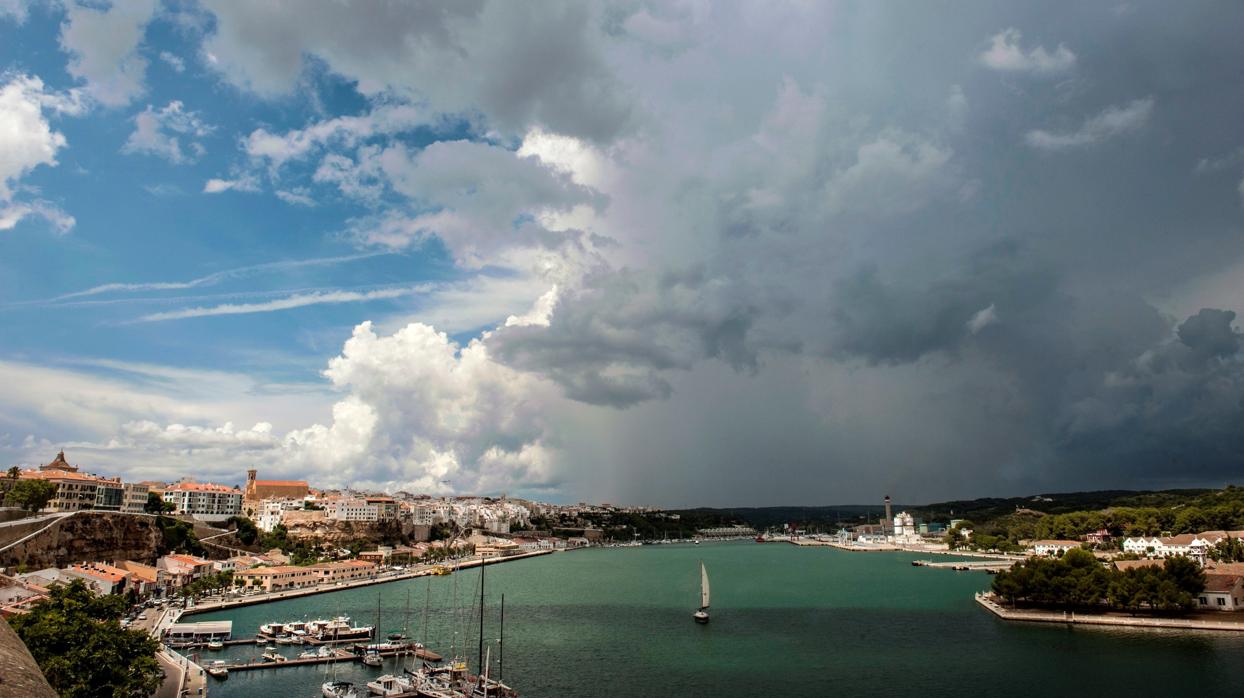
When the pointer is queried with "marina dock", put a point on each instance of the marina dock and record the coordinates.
(338, 655)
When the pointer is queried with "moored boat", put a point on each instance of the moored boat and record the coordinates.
(390, 685)
(338, 689)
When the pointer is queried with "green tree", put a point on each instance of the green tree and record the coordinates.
(154, 505)
(14, 472)
(1227, 550)
(78, 642)
(31, 495)
(247, 532)
(178, 536)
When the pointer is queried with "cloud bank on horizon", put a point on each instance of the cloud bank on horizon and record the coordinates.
(672, 253)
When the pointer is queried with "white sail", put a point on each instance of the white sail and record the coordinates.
(703, 586)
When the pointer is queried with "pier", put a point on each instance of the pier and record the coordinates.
(977, 565)
(338, 655)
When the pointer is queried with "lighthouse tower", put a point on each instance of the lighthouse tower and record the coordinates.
(889, 516)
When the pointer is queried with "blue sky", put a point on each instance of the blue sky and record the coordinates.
(671, 253)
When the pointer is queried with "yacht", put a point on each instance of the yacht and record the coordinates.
(218, 670)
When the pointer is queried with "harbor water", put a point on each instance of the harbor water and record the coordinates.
(785, 621)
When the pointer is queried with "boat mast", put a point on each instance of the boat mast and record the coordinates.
(427, 603)
(501, 644)
(482, 668)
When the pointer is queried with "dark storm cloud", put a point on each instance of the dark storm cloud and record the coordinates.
(895, 323)
(610, 339)
(1170, 415)
(859, 245)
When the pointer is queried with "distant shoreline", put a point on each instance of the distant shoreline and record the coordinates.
(311, 591)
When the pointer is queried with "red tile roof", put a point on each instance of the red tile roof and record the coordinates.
(188, 559)
(102, 571)
(1221, 583)
(200, 487)
(58, 475)
(1122, 565)
(280, 483)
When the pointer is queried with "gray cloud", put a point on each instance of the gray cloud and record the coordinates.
(610, 340)
(520, 65)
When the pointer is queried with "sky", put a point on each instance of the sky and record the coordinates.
(666, 253)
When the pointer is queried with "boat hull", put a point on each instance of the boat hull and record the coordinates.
(701, 617)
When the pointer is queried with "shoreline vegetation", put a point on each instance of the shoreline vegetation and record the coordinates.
(1220, 621)
(1077, 580)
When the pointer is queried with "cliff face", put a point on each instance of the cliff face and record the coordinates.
(88, 536)
(341, 533)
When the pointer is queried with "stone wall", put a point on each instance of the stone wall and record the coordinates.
(88, 536)
(19, 675)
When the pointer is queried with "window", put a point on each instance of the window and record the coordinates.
(1222, 601)
(1204, 601)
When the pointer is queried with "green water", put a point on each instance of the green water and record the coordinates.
(785, 621)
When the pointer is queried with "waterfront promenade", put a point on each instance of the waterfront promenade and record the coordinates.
(383, 578)
(1224, 622)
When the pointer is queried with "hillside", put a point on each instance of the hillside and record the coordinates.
(975, 510)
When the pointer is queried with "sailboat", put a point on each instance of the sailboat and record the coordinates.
(332, 688)
(701, 616)
(371, 653)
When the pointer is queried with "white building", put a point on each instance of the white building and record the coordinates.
(1223, 592)
(204, 500)
(270, 512)
(351, 509)
(905, 529)
(422, 515)
(1054, 547)
(1194, 545)
(134, 499)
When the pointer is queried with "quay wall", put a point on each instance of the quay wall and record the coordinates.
(310, 591)
(1072, 618)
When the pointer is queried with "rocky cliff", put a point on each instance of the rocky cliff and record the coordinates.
(341, 533)
(87, 536)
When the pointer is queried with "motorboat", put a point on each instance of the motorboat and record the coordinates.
(339, 689)
(215, 645)
(390, 685)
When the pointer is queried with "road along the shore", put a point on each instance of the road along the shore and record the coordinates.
(421, 571)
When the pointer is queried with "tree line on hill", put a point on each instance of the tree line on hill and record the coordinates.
(1079, 580)
(1178, 514)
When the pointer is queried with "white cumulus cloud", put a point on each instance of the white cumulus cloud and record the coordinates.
(1005, 54)
(1111, 122)
(103, 43)
(27, 141)
(160, 133)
